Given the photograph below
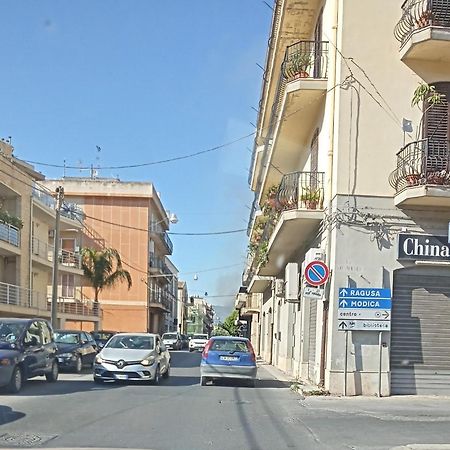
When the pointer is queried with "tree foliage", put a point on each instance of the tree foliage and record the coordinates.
(103, 268)
(229, 324)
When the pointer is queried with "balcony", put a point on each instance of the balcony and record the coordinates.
(299, 98)
(161, 237)
(42, 252)
(16, 296)
(298, 210)
(10, 234)
(424, 35)
(74, 307)
(422, 176)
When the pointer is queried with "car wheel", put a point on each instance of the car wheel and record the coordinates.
(157, 375)
(15, 384)
(52, 376)
(78, 364)
(251, 383)
(167, 372)
(191, 349)
(98, 380)
(203, 381)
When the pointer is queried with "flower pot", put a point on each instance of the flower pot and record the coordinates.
(412, 180)
(311, 204)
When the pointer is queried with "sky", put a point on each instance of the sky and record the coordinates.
(145, 81)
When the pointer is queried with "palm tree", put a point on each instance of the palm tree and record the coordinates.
(103, 268)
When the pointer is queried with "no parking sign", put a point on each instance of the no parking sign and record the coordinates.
(316, 273)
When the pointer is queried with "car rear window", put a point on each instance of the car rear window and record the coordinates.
(200, 336)
(229, 345)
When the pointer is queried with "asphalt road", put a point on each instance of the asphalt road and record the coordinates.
(179, 414)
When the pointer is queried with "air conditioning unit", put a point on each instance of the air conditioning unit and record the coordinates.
(292, 282)
(279, 288)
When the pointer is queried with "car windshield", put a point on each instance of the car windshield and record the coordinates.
(101, 335)
(10, 332)
(229, 345)
(169, 336)
(200, 336)
(132, 342)
(67, 338)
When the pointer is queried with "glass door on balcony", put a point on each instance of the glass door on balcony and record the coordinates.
(68, 285)
(318, 46)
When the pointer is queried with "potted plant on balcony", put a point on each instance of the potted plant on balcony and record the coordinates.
(311, 197)
(9, 219)
(298, 65)
(425, 19)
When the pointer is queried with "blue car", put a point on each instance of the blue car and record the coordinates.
(228, 357)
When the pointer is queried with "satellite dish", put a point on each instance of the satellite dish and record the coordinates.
(195, 277)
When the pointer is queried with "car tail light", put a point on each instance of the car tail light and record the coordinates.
(252, 352)
(206, 349)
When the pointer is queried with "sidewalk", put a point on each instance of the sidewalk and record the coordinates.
(301, 386)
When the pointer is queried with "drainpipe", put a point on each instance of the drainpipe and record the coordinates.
(30, 253)
(326, 302)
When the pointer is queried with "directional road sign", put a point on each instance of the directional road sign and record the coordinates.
(364, 325)
(364, 309)
(364, 314)
(317, 273)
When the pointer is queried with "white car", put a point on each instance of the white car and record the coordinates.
(132, 356)
(198, 342)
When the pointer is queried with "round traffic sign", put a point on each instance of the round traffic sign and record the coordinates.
(316, 273)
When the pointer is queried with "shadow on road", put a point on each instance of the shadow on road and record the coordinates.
(8, 415)
(259, 384)
(183, 359)
(181, 381)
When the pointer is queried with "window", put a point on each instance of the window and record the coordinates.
(45, 333)
(68, 285)
(33, 335)
(230, 345)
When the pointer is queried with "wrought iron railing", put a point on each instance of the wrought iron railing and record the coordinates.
(306, 59)
(10, 234)
(423, 162)
(10, 294)
(70, 259)
(300, 190)
(418, 14)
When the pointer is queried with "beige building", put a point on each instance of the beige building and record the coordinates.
(27, 233)
(346, 171)
(130, 217)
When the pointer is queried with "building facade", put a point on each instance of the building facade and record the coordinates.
(200, 316)
(27, 238)
(347, 171)
(129, 217)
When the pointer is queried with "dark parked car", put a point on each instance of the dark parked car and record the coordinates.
(102, 337)
(75, 349)
(27, 350)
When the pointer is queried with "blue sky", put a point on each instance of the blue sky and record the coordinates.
(144, 80)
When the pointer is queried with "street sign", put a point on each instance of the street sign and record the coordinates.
(364, 309)
(312, 292)
(316, 273)
(364, 314)
(364, 325)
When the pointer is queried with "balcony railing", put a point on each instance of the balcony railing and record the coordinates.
(10, 234)
(306, 59)
(155, 228)
(418, 14)
(76, 307)
(11, 294)
(423, 162)
(300, 190)
(44, 198)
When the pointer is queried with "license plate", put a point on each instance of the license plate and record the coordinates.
(229, 358)
(121, 377)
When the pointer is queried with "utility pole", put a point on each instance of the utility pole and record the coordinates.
(59, 201)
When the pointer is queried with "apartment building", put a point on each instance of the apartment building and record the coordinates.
(347, 171)
(171, 319)
(129, 217)
(200, 316)
(27, 237)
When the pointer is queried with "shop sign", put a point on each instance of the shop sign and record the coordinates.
(423, 247)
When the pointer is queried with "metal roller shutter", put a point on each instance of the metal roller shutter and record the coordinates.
(420, 337)
(312, 338)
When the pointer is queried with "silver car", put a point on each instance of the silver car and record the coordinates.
(132, 356)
